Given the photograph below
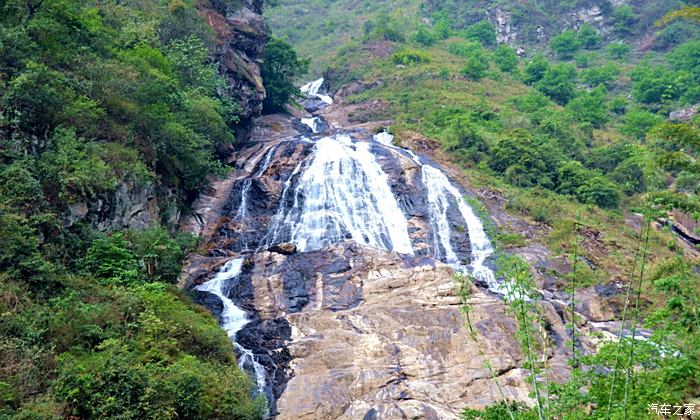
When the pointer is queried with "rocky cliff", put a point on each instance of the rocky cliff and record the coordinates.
(241, 35)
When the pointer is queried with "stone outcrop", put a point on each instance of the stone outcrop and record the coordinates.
(132, 205)
(241, 36)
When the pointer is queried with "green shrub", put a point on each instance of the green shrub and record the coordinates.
(464, 49)
(588, 36)
(637, 122)
(590, 106)
(558, 82)
(565, 44)
(476, 67)
(424, 37)
(624, 20)
(483, 31)
(505, 58)
(535, 69)
(408, 56)
(618, 49)
(601, 75)
(599, 191)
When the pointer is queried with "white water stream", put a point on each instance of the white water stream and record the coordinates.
(441, 195)
(342, 194)
(312, 88)
(233, 318)
(312, 123)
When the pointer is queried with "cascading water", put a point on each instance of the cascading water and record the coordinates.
(312, 123)
(441, 194)
(233, 319)
(342, 194)
(311, 89)
(248, 182)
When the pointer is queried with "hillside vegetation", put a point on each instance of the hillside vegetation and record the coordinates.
(569, 125)
(102, 103)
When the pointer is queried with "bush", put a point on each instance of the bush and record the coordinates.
(535, 69)
(588, 36)
(129, 257)
(476, 67)
(524, 162)
(505, 58)
(624, 20)
(637, 122)
(570, 177)
(601, 75)
(558, 82)
(630, 176)
(565, 44)
(590, 107)
(425, 37)
(407, 57)
(482, 31)
(599, 191)
(618, 49)
(464, 49)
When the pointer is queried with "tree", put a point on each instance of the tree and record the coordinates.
(476, 67)
(618, 49)
(482, 31)
(535, 69)
(558, 82)
(624, 20)
(505, 58)
(588, 36)
(599, 191)
(590, 107)
(280, 67)
(565, 44)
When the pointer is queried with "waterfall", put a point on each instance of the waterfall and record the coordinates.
(233, 318)
(248, 182)
(441, 194)
(342, 194)
(312, 123)
(311, 89)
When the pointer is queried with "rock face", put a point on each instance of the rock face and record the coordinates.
(382, 335)
(241, 35)
(132, 205)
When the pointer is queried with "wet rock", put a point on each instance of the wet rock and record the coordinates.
(314, 105)
(374, 330)
(209, 301)
(284, 248)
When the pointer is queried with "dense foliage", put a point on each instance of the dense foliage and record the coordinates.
(97, 98)
(280, 68)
